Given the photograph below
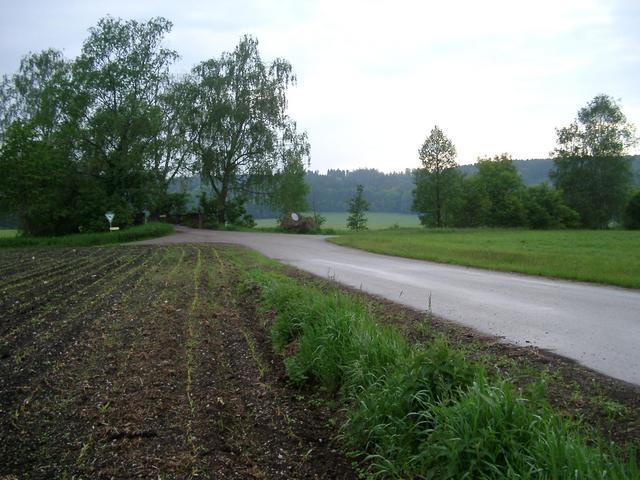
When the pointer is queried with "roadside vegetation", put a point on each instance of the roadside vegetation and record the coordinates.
(419, 403)
(602, 256)
(132, 234)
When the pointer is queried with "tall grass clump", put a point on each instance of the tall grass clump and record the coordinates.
(423, 411)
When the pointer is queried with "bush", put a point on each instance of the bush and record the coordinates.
(632, 212)
(302, 225)
(545, 209)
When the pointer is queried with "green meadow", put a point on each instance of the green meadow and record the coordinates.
(338, 220)
(602, 256)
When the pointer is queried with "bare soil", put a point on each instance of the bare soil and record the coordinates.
(143, 362)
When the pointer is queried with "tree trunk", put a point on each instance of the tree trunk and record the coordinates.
(221, 202)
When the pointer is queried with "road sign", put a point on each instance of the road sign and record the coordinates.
(110, 216)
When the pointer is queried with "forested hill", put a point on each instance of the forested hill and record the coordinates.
(392, 192)
(386, 192)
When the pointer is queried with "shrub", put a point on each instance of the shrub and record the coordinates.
(632, 212)
(302, 225)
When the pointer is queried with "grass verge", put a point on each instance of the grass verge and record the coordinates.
(611, 257)
(141, 232)
(8, 232)
(424, 410)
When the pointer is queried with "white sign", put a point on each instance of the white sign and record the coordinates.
(110, 216)
(295, 217)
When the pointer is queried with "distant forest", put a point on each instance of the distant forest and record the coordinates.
(392, 192)
(385, 192)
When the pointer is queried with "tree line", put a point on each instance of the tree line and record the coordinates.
(592, 180)
(110, 129)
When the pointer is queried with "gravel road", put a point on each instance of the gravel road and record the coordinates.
(598, 326)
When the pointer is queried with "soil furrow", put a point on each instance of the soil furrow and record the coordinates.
(160, 372)
(29, 301)
(57, 267)
(35, 352)
(73, 293)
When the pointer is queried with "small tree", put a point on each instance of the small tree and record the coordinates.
(357, 219)
(435, 178)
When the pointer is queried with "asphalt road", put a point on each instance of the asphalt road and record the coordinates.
(598, 326)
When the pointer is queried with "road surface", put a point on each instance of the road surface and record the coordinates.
(598, 326)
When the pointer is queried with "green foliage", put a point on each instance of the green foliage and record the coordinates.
(435, 179)
(235, 213)
(237, 120)
(94, 126)
(358, 206)
(38, 183)
(632, 212)
(590, 169)
(132, 234)
(545, 209)
(423, 411)
(290, 192)
(499, 180)
(443, 189)
(473, 205)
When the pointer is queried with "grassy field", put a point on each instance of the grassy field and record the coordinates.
(8, 233)
(611, 257)
(158, 361)
(141, 232)
(376, 220)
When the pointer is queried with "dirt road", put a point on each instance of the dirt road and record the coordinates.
(597, 326)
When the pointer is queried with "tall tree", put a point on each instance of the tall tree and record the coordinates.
(358, 206)
(120, 75)
(435, 178)
(590, 168)
(239, 123)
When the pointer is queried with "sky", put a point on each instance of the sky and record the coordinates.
(374, 77)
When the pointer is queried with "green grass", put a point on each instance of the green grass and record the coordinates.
(8, 233)
(423, 410)
(603, 256)
(338, 220)
(150, 230)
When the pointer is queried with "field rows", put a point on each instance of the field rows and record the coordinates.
(145, 363)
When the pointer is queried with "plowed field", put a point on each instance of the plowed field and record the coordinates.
(143, 362)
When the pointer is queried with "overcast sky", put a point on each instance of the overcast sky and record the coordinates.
(375, 76)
